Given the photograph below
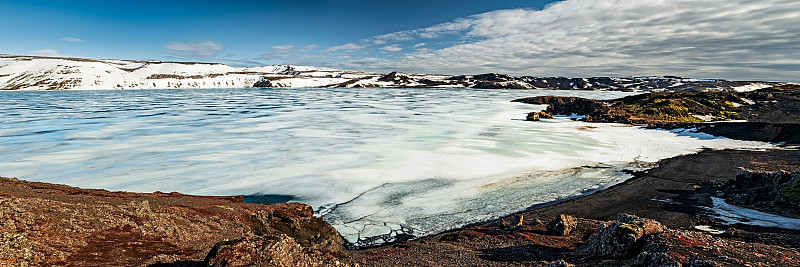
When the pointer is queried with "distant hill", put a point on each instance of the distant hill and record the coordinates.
(54, 73)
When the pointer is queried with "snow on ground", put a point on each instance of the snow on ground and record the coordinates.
(752, 87)
(731, 214)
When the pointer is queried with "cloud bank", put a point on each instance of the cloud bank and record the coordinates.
(731, 39)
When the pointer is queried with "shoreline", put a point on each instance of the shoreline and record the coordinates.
(643, 195)
(638, 196)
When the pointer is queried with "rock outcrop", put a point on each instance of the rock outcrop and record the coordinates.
(263, 82)
(774, 192)
(562, 225)
(395, 77)
(270, 250)
(683, 107)
(621, 238)
(46, 224)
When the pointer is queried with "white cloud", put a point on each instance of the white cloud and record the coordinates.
(281, 49)
(288, 52)
(308, 48)
(201, 50)
(733, 39)
(347, 47)
(46, 53)
(420, 45)
(392, 48)
(71, 39)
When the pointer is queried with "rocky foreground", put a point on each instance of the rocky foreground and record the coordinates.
(50, 225)
(659, 218)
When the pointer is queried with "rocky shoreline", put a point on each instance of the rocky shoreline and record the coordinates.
(659, 218)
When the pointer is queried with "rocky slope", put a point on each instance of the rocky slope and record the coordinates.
(771, 114)
(52, 73)
(46, 225)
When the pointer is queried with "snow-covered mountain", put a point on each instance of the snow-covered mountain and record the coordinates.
(54, 73)
(50, 73)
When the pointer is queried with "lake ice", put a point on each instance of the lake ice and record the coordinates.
(375, 162)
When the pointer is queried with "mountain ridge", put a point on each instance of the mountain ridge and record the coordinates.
(19, 72)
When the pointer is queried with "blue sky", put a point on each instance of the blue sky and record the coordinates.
(731, 39)
(246, 29)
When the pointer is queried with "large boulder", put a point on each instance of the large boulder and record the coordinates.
(619, 239)
(279, 250)
(533, 116)
(307, 230)
(562, 225)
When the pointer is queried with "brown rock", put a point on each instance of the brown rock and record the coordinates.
(533, 116)
(562, 225)
(46, 224)
(279, 250)
(307, 230)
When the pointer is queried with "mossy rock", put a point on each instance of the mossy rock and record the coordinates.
(792, 193)
(632, 229)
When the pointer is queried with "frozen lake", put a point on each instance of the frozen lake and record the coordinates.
(377, 162)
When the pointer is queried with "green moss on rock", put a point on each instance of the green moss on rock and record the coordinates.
(792, 193)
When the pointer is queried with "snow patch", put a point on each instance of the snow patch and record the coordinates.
(731, 214)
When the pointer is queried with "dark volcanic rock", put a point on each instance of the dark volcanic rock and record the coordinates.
(788, 133)
(647, 108)
(542, 100)
(501, 85)
(562, 225)
(395, 77)
(565, 105)
(263, 83)
(620, 238)
(494, 77)
(775, 192)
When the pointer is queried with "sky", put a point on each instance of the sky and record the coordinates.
(727, 39)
